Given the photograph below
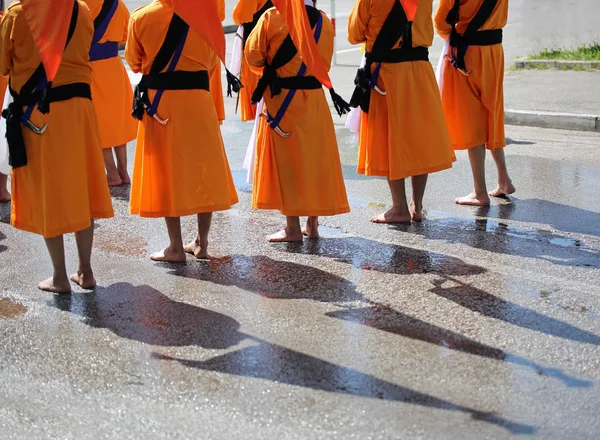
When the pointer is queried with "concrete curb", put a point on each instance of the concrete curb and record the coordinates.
(561, 121)
(557, 64)
(230, 28)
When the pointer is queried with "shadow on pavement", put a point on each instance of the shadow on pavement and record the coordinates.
(491, 306)
(121, 192)
(510, 141)
(278, 364)
(498, 237)
(562, 217)
(5, 212)
(143, 314)
(270, 278)
(388, 320)
(2, 247)
(367, 254)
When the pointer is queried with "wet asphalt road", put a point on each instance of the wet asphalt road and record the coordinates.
(478, 323)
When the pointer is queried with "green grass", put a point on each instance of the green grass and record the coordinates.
(586, 52)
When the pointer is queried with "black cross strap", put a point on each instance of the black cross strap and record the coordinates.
(472, 36)
(286, 53)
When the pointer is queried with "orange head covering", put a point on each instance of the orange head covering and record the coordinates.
(295, 17)
(204, 17)
(49, 21)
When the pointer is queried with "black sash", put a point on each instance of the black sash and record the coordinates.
(249, 27)
(300, 83)
(396, 25)
(30, 96)
(286, 53)
(176, 31)
(472, 36)
(179, 80)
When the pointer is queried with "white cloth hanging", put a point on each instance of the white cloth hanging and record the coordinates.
(441, 67)
(4, 167)
(251, 151)
(235, 66)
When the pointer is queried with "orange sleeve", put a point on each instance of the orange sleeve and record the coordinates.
(244, 11)
(126, 26)
(133, 48)
(442, 28)
(6, 42)
(257, 45)
(325, 44)
(358, 21)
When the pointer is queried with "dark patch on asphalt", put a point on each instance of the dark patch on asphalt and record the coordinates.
(11, 309)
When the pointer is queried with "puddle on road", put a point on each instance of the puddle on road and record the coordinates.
(10, 309)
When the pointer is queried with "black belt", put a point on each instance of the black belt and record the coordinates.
(55, 94)
(300, 83)
(14, 113)
(177, 80)
(479, 38)
(402, 55)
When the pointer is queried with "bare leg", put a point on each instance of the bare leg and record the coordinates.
(59, 283)
(85, 276)
(174, 253)
(291, 233)
(312, 227)
(416, 205)
(121, 153)
(399, 212)
(479, 196)
(112, 175)
(4, 194)
(505, 185)
(199, 247)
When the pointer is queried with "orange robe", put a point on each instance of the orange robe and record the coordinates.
(112, 94)
(474, 104)
(216, 84)
(300, 175)
(243, 13)
(63, 186)
(404, 133)
(180, 168)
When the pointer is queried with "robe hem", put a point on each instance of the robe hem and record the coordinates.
(386, 173)
(183, 212)
(303, 212)
(488, 145)
(54, 232)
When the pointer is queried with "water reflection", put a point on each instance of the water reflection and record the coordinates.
(366, 254)
(144, 314)
(392, 321)
(492, 306)
(275, 279)
(499, 237)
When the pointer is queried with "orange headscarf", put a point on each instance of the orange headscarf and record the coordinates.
(49, 21)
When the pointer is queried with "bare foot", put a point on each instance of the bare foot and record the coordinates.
(169, 255)
(55, 286)
(311, 230)
(84, 280)
(391, 216)
(124, 175)
(416, 214)
(284, 237)
(474, 200)
(114, 180)
(4, 196)
(197, 249)
(503, 189)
